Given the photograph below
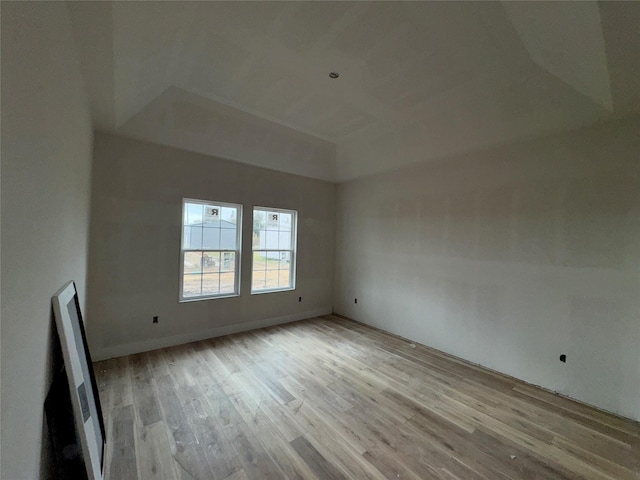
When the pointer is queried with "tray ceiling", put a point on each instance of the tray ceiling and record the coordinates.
(418, 81)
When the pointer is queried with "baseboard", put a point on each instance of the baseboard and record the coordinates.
(156, 343)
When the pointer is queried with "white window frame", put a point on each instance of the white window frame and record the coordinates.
(293, 250)
(237, 251)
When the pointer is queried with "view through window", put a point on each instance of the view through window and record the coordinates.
(274, 243)
(210, 249)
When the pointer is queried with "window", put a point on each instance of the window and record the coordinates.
(274, 249)
(210, 249)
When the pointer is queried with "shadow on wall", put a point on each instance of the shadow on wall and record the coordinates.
(54, 365)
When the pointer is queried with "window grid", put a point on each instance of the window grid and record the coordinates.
(205, 278)
(273, 267)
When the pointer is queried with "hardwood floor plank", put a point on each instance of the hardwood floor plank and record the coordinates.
(271, 440)
(365, 399)
(537, 447)
(272, 384)
(594, 437)
(576, 409)
(123, 458)
(389, 465)
(331, 398)
(329, 427)
(613, 466)
(186, 449)
(144, 396)
(239, 475)
(153, 453)
(530, 464)
(318, 464)
(209, 434)
(255, 460)
(121, 394)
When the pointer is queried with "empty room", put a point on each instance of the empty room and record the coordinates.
(320, 240)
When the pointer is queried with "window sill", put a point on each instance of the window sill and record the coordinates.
(276, 290)
(199, 299)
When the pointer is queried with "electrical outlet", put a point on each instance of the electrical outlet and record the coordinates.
(563, 358)
(155, 319)
(355, 300)
(299, 299)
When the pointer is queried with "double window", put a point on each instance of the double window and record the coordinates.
(210, 250)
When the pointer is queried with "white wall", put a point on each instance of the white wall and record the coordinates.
(46, 161)
(134, 263)
(508, 258)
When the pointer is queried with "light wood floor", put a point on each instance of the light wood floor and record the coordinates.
(329, 398)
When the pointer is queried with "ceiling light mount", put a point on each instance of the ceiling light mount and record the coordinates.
(334, 75)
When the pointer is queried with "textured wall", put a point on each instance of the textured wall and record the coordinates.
(46, 162)
(508, 258)
(134, 264)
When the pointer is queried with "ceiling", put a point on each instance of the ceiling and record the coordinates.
(249, 81)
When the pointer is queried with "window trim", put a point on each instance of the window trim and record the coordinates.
(294, 250)
(238, 252)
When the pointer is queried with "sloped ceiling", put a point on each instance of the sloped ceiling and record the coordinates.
(250, 81)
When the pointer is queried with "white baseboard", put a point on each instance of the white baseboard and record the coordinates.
(154, 344)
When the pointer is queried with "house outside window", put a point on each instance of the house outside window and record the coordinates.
(274, 250)
(210, 249)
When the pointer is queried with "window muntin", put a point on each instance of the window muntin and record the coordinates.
(210, 249)
(274, 244)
